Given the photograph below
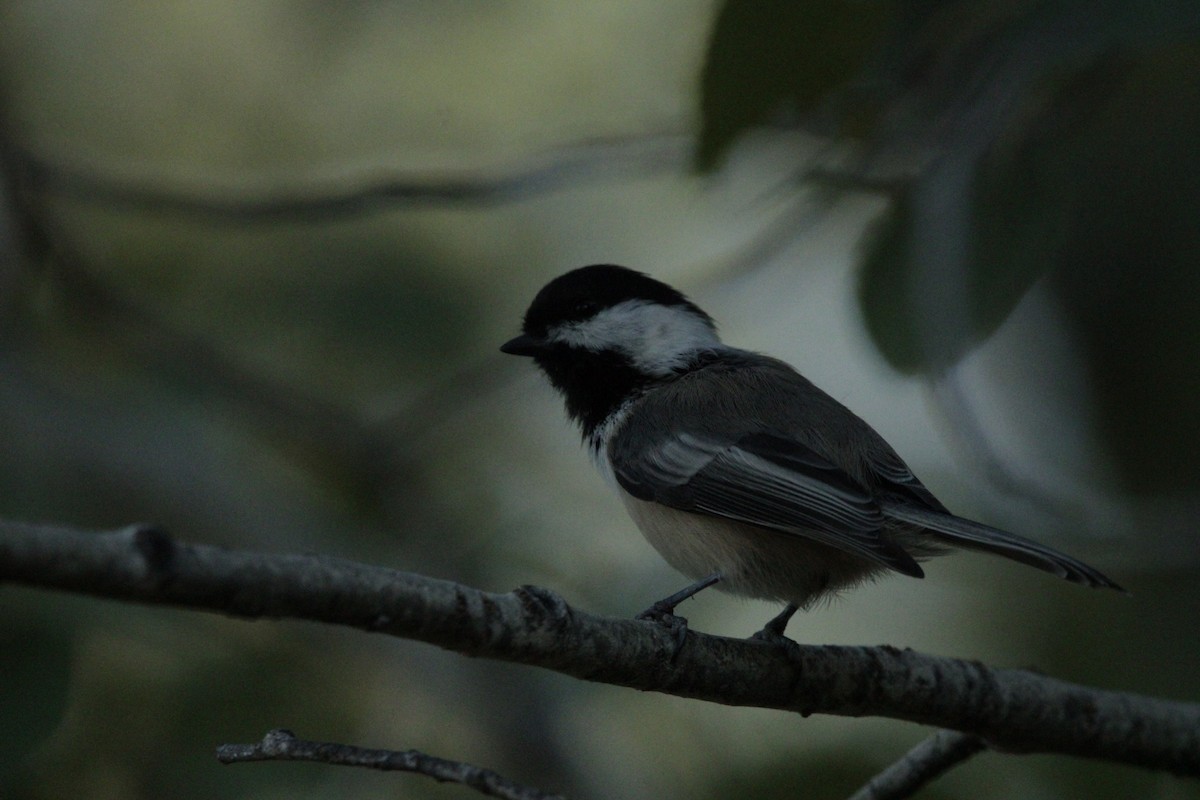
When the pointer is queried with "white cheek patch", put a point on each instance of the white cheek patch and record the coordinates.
(658, 339)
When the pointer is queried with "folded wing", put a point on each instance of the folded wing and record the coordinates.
(765, 480)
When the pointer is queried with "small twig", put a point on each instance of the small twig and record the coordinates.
(925, 762)
(282, 745)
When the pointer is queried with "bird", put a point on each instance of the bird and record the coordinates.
(737, 469)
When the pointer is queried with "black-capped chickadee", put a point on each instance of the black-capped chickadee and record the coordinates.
(737, 469)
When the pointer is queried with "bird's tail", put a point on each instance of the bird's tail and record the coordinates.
(977, 536)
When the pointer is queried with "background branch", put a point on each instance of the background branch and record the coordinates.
(924, 763)
(282, 745)
(359, 194)
(1013, 710)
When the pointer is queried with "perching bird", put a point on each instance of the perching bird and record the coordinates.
(737, 469)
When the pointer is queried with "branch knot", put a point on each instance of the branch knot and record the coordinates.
(543, 607)
(156, 549)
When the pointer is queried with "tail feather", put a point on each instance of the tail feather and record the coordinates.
(977, 536)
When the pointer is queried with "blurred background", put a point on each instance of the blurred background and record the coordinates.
(256, 260)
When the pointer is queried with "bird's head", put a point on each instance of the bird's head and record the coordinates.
(602, 333)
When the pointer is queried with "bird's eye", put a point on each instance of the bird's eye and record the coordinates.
(585, 308)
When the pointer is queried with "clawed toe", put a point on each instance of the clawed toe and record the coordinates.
(677, 626)
(657, 612)
(663, 612)
(773, 637)
(772, 632)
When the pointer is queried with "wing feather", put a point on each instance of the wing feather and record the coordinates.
(977, 536)
(764, 480)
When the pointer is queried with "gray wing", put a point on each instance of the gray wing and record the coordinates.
(767, 480)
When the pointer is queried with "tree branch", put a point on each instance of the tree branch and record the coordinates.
(1013, 710)
(925, 762)
(282, 745)
(359, 194)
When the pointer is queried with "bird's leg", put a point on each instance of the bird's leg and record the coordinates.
(663, 611)
(666, 606)
(773, 630)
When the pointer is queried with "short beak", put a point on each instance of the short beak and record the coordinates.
(524, 345)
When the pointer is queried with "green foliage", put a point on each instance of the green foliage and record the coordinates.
(1074, 163)
(883, 288)
(1013, 241)
(1127, 270)
(1095, 185)
(767, 58)
(35, 660)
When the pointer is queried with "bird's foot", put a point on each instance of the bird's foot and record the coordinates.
(663, 612)
(677, 626)
(772, 632)
(770, 637)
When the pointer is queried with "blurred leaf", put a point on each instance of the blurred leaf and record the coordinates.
(774, 57)
(883, 288)
(1017, 228)
(1102, 152)
(1095, 182)
(1127, 268)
